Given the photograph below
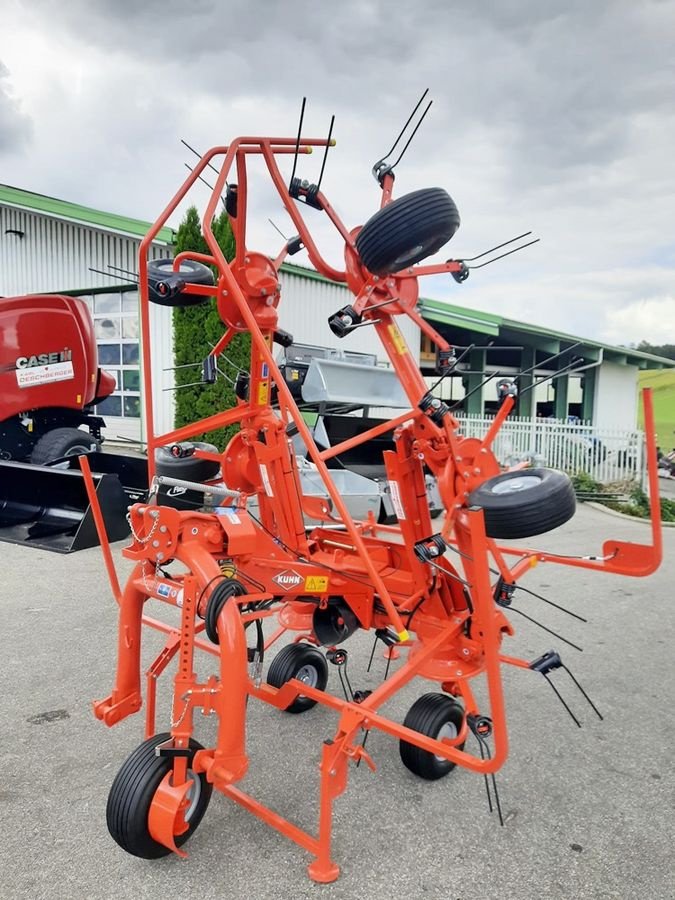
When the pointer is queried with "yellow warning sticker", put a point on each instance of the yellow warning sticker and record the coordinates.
(263, 392)
(316, 584)
(397, 338)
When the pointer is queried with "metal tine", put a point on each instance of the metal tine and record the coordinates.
(191, 384)
(415, 130)
(120, 269)
(210, 187)
(108, 274)
(297, 142)
(545, 628)
(548, 360)
(569, 370)
(325, 152)
(402, 132)
(559, 696)
(498, 247)
(199, 155)
(276, 228)
(594, 707)
(503, 255)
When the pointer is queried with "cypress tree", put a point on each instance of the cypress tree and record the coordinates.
(196, 329)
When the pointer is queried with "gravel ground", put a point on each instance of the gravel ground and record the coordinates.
(589, 812)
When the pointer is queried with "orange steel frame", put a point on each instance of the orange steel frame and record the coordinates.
(457, 630)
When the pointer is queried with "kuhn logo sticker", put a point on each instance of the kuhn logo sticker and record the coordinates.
(288, 579)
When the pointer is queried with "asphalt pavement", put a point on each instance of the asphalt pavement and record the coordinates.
(588, 812)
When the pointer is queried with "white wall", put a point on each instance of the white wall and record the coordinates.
(54, 255)
(615, 396)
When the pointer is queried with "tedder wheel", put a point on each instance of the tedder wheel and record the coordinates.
(407, 230)
(524, 503)
(165, 287)
(306, 664)
(60, 442)
(131, 796)
(187, 468)
(436, 716)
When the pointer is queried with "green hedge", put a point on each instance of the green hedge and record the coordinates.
(196, 329)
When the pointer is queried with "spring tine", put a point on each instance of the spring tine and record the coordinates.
(559, 696)
(372, 653)
(550, 630)
(402, 132)
(503, 255)
(595, 708)
(498, 247)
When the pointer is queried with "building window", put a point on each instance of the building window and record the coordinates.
(117, 330)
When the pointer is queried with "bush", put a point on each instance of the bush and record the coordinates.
(196, 330)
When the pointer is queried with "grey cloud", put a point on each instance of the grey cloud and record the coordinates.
(15, 127)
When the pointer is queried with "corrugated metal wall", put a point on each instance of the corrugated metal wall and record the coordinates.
(54, 255)
(306, 304)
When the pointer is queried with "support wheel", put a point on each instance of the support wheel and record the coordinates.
(131, 796)
(524, 503)
(306, 664)
(436, 716)
(407, 230)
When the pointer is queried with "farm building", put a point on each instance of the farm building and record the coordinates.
(50, 245)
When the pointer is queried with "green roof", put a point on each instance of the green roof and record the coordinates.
(73, 212)
(486, 323)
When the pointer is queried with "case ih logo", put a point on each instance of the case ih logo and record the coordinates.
(44, 359)
(288, 579)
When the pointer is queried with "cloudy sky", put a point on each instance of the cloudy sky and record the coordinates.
(553, 116)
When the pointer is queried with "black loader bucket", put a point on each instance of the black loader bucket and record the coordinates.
(47, 507)
(131, 470)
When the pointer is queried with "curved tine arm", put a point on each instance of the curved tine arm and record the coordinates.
(315, 257)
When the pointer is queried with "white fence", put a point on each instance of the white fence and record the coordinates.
(607, 455)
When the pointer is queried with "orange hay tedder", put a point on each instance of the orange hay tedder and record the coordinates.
(246, 556)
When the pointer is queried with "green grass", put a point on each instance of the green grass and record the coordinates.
(662, 382)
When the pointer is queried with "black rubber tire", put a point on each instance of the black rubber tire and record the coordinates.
(191, 272)
(60, 442)
(525, 503)
(292, 660)
(430, 715)
(407, 230)
(131, 795)
(221, 593)
(189, 468)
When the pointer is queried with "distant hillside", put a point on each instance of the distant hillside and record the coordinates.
(662, 382)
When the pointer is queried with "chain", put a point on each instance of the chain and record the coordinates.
(186, 701)
(137, 537)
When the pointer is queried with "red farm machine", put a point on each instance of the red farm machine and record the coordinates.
(437, 596)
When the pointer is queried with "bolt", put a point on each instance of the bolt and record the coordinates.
(263, 292)
(160, 556)
(269, 301)
(247, 259)
(163, 528)
(465, 651)
(154, 513)
(458, 672)
(155, 543)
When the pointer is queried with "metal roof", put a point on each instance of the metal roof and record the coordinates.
(512, 330)
(73, 212)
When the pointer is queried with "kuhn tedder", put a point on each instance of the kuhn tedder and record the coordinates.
(229, 571)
